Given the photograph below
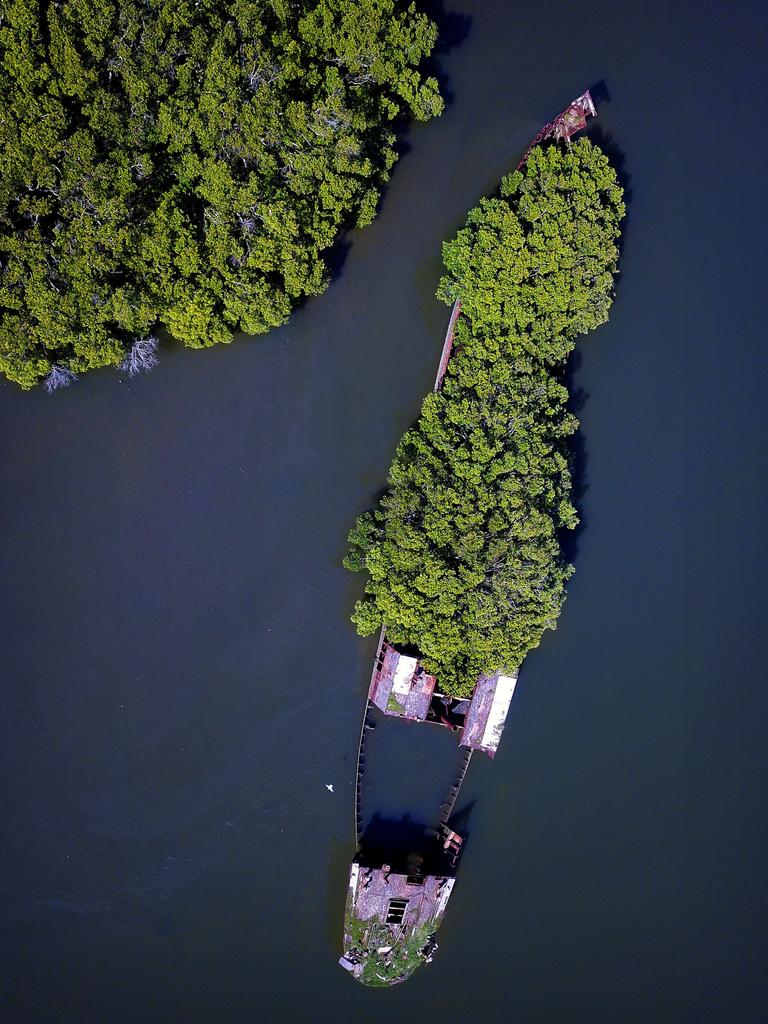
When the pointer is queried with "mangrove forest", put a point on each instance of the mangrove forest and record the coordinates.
(187, 166)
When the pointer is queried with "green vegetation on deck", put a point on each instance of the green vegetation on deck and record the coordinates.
(186, 164)
(463, 551)
(404, 956)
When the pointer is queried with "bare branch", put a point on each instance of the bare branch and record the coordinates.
(58, 377)
(142, 356)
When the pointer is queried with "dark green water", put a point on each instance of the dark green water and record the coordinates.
(180, 680)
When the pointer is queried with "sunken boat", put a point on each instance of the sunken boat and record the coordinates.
(397, 899)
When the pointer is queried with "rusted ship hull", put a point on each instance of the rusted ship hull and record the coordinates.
(393, 911)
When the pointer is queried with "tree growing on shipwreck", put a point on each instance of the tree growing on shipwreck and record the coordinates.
(462, 552)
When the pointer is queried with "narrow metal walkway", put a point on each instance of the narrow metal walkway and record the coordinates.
(447, 350)
(447, 806)
(368, 724)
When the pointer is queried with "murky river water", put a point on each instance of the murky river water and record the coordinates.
(180, 679)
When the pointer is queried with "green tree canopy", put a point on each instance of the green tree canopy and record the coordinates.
(463, 550)
(186, 163)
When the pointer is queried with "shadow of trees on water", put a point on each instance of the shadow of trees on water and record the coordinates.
(453, 27)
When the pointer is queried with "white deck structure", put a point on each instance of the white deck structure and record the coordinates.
(487, 712)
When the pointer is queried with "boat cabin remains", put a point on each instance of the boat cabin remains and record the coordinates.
(402, 688)
(390, 922)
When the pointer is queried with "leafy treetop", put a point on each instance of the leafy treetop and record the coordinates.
(462, 552)
(187, 163)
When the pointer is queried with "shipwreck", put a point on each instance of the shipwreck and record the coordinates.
(394, 907)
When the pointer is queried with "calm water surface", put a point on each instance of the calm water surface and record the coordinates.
(180, 680)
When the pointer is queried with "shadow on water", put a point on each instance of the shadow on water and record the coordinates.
(577, 449)
(615, 154)
(336, 256)
(408, 845)
(393, 840)
(599, 92)
(453, 27)
(597, 135)
(577, 458)
(459, 820)
(605, 141)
